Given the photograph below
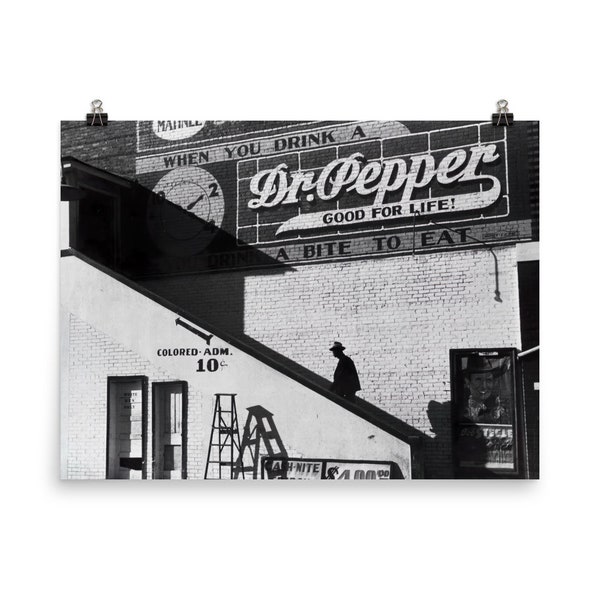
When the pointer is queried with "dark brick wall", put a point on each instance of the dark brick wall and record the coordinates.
(111, 148)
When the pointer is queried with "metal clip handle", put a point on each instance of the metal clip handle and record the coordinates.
(502, 114)
(98, 113)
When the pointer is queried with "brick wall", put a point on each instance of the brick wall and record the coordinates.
(112, 330)
(398, 318)
(111, 148)
(93, 357)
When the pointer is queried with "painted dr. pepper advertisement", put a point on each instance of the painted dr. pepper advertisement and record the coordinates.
(334, 191)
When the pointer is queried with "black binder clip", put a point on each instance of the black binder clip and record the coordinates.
(97, 117)
(502, 118)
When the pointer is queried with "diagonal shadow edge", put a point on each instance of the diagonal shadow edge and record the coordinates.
(361, 408)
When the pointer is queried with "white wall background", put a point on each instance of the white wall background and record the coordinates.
(276, 60)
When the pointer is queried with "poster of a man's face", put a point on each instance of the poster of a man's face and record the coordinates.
(484, 410)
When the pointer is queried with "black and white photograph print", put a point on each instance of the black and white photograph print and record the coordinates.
(307, 300)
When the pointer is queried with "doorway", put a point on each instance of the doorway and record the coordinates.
(125, 430)
(169, 430)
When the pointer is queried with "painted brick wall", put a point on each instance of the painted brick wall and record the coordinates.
(109, 329)
(398, 318)
(113, 148)
(92, 357)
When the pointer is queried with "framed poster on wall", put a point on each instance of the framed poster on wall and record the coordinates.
(486, 413)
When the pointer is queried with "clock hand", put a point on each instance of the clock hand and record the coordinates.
(192, 204)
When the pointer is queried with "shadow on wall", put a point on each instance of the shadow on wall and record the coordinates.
(163, 246)
(219, 299)
(170, 251)
(474, 446)
(439, 447)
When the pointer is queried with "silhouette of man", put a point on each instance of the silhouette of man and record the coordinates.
(345, 379)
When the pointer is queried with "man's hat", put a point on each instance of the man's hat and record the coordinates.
(337, 345)
(481, 364)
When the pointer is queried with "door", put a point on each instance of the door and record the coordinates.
(125, 428)
(169, 418)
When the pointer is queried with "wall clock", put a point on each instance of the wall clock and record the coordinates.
(187, 210)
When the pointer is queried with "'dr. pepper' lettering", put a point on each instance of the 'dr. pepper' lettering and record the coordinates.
(275, 186)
